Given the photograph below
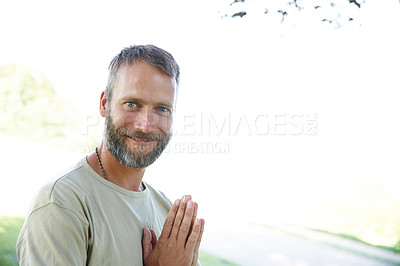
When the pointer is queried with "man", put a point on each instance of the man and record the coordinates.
(100, 212)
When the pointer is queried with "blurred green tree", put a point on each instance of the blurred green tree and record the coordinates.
(29, 106)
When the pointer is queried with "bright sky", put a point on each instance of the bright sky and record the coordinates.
(252, 68)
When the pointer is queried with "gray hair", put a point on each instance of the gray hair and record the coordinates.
(150, 54)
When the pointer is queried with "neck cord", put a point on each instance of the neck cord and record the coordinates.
(100, 164)
(104, 172)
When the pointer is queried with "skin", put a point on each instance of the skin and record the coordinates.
(180, 239)
(143, 99)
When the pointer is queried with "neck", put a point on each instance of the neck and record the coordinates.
(117, 173)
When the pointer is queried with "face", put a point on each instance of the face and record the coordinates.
(139, 115)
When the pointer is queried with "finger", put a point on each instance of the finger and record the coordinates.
(194, 236)
(179, 217)
(184, 229)
(188, 197)
(146, 243)
(169, 221)
(197, 246)
(153, 238)
(194, 215)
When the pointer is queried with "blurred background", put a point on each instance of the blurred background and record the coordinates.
(287, 112)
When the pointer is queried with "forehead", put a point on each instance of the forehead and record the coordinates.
(143, 80)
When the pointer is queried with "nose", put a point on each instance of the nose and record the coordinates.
(144, 121)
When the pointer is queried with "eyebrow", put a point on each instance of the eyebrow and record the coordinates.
(133, 99)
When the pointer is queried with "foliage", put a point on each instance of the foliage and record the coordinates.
(9, 229)
(335, 12)
(29, 106)
(31, 109)
(370, 214)
(212, 260)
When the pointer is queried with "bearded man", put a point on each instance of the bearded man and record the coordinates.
(100, 211)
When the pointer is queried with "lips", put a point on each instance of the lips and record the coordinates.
(141, 141)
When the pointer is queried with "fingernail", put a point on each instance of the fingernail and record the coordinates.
(190, 204)
(177, 202)
(185, 199)
(197, 222)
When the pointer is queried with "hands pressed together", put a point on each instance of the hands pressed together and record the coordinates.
(180, 238)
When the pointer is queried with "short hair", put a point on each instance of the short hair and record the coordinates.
(150, 54)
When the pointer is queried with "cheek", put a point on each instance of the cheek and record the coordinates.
(124, 119)
(165, 124)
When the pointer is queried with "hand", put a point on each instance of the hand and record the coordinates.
(180, 238)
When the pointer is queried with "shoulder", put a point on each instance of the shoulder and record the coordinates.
(67, 189)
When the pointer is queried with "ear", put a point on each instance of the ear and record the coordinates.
(103, 104)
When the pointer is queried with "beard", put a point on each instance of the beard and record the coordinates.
(115, 141)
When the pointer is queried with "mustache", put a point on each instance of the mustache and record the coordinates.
(140, 134)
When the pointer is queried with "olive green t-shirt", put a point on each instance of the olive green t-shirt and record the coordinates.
(83, 219)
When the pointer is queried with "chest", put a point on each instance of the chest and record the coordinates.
(116, 230)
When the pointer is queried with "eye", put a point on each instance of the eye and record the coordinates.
(163, 109)
(131, 105)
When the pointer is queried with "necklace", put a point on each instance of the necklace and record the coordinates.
(100, 164)
(141, 187)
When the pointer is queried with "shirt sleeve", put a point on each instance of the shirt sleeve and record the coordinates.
(53, 235)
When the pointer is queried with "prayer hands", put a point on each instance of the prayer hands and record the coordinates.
(180, 238)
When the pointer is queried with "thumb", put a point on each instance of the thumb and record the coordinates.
(146, 243)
